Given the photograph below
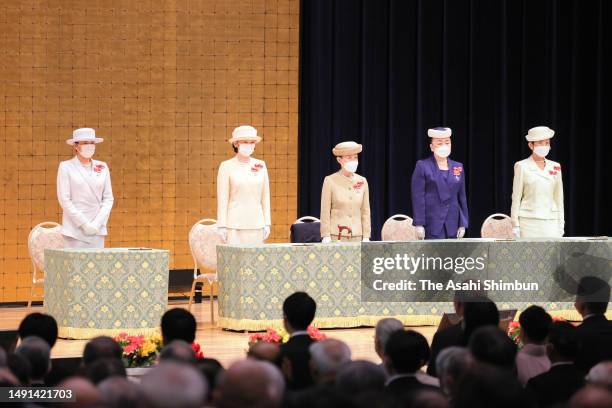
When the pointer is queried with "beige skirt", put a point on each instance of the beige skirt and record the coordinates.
(97, 242)
(536, 228)
(245, 236)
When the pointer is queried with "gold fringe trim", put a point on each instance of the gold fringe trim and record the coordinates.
(327, 322)
(81, 333)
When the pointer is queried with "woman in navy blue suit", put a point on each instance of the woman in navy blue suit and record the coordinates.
(438, 191)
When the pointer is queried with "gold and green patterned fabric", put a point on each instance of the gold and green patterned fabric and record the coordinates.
(255, 279)
(93, 292)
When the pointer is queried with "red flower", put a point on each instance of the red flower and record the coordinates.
(558, 168)
(98, 168)
(254, 169)
(259, 165)
(197, 350)
(457, 171)
(552, 172)
(358, 185)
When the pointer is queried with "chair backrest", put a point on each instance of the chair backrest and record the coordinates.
(305, 230)
(398, 228)
(46, 235)
(203, 241)
(497, 226)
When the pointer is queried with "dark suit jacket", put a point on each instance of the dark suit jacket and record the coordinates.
(296, 351)
(595, 342)
(403, 387)
(555, 386)
(451, 336)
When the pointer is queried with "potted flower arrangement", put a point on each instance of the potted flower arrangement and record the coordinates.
(514, 331)
(281, 336)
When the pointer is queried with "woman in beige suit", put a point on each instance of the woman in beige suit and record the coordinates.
(243, 192)
(345, 201)
(537, 190)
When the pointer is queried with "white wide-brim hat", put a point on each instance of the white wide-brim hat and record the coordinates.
(439, 132)
(538, 133)
(347, 148)
(84, 135)
(245, 134)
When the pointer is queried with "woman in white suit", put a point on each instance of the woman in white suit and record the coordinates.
(537, 190)
(84, 193)
(243, 192)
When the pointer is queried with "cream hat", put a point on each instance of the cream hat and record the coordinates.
(245, 133)
(346, 149)
(538, 133)
(439, 132)
(84, 135)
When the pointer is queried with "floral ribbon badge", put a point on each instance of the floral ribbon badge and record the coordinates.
(358, 185)
(256, 167)
(457, 171)
(98, 168)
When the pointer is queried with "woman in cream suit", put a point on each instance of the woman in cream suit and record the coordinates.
(537, 190)
(84, 193)
(345, 200)
(243, 192)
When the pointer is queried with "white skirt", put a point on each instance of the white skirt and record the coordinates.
(97, 241)
(245, 236)
(536, 228)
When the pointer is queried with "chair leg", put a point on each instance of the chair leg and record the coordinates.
(212, 305)
(31, 296)
(191, 293)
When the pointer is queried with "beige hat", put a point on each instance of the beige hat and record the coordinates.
(84, 135)
(245, 133)
(538, 133)
(439, 132)
(346, 149)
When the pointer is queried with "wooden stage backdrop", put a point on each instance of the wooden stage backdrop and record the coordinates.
(164, 82)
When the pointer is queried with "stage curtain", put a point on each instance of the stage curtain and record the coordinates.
(381, 72)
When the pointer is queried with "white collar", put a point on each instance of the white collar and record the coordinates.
(299, 333)
(590, 315)
(397, 376)
(560, 363)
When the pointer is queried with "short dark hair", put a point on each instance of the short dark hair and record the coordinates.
(562, 336)
(491, 345)
(178, 324)
(104, 368)
(101, 347)
(595, 293)
(535, 323)
(20, 367)
(408, 351)
(478, 312)
(37, 352)
(299, 309)
(39, 325)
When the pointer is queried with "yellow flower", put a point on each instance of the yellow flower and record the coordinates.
(148, 347)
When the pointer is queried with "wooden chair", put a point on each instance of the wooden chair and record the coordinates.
(45, 235)
(497, 226)
(398, 228)
(203, 241)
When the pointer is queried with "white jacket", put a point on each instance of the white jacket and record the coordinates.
(84, 196)
(537, 193)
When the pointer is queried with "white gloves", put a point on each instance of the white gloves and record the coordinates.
(420, 232)
(460, 232)
(222, 232)
(517, 232)
(365, 239)
(326, 240)
(89, 229)
(266, 232)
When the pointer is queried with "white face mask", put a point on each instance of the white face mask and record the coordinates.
(246, 149)
(541, 151)
(443, 151)
(351, 166)
(87, 151)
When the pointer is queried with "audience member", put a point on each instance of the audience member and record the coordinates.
(264, 351)
(178, 350)
(452, 365)
(384, 329)
(40, 325)
(360, 376)
(85, 393)
(101, 347)
(601, 375)
(38, 354)
(178, 324)
(532, 360)
(104, 368)
(592, 397)
(250, 383)
(326, 358)
(492, 346)
(174, 385)
(119, 392)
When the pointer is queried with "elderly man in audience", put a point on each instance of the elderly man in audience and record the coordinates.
(592, 397)
(117, 392)
(250, 383)
(86, 394)
(405, 353)
(264, 351)
(601, 375)
(101, 347)
(452, 365)
(179, 351)
(384, 329)
(563, 379)
(490, 345)
(360, 376)
(595, 332)
(104, 368)
(174, 385)
(532, 360)
(326, 358)
(38, 354)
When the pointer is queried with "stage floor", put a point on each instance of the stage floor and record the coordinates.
(225, 346)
